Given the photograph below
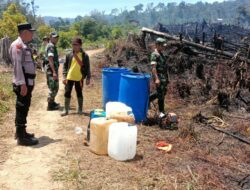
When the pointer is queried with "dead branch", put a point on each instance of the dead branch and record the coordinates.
(230, 134)
(196, 45)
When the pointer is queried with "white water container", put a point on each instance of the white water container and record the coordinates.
(117, 108)
(119, 111)
(122, 141)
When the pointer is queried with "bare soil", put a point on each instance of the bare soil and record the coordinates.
(31, 167)
(201, 158)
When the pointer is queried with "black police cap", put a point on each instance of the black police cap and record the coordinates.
(25, 26)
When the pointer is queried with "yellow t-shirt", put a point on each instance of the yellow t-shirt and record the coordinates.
(75, 69)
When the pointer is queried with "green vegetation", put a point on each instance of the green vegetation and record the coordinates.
(11, 17)
(6, 94)
(100, 28)
(44, 30)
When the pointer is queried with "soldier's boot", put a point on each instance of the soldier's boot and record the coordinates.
(66, 107)
(52, 105)
(23, 139)
(80, 104)
(56, 104)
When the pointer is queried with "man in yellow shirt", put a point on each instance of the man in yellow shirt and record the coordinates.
(75, 69)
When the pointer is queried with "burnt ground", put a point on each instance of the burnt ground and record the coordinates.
(201, 157)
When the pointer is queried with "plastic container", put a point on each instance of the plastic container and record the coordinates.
(134, 92)
(117, 108)
(119, 111)
(111, 84)
(96, 113)
(122, 141)
(99, 130)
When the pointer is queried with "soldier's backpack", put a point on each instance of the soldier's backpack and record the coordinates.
(168, 121)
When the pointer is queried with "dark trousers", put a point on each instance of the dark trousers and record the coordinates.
(160, 95)
(69, 86)
(22, 105)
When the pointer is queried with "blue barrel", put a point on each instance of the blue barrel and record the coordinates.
(110, 84)
(134, 92)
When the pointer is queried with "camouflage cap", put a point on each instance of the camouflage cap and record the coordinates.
(54, 35)
(160, 41)
(45, 38)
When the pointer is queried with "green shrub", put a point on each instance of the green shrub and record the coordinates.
(6, 94)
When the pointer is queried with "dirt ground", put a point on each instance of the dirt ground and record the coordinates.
(201, 158)
(30, 167)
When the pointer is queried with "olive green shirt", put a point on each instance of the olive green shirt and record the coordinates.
(51, 51)
(158, 59)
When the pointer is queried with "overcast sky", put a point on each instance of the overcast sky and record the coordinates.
(73, 8)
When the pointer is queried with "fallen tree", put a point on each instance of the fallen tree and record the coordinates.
(196, 45)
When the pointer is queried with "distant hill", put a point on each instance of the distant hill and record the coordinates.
(51, 19)
(236, 12)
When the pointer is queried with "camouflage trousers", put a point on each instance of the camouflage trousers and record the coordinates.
(159, 94)
(53, 86)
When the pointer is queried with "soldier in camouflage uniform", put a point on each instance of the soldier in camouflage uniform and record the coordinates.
(159, 73)
(42, 51)
(51, 69)
(23, 82)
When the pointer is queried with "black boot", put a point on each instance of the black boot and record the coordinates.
(29, 135)
(23, 139)
(56, 104)
(53, 106)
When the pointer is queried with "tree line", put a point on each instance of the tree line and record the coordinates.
(103, 28)
(231, 12)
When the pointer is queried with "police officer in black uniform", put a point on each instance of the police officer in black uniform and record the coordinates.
(23, 82)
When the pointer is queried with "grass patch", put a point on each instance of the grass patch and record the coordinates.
(71, 174)
(6, 93)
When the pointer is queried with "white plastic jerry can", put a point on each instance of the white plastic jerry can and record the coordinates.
(117, 108)
(122, 141)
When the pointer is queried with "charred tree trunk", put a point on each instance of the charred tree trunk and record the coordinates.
(4, 51)
(196, 45)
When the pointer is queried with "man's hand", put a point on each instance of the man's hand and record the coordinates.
(65, 81)
(155, 75)
(55, 76)
(23, 90)
(87, 81)
(81, 83)
(157, 82)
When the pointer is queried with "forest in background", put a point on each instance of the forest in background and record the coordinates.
(102, 28)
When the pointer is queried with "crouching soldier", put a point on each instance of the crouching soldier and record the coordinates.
(23, 82)
(159, 74)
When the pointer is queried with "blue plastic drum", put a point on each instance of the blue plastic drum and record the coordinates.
(111, 83)
(134, 92)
